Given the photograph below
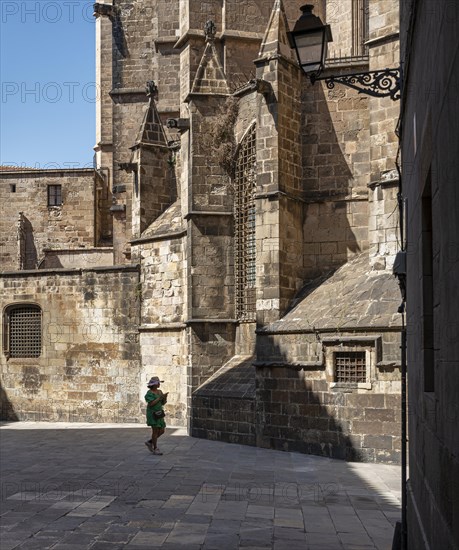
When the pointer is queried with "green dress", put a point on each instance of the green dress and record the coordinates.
(151, 420)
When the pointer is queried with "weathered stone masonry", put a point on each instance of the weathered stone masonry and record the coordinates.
(246, 222)
(89, 366)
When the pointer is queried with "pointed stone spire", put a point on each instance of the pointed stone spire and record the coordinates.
(210, 77)
(275, 41)
(151, 130)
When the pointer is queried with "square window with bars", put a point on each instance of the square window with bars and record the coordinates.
(54, 195)
(24, 331)
(350, 366)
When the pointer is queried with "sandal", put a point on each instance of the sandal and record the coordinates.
(156, 452)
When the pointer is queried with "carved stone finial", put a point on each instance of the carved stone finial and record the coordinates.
(102, 9)
(151, 89)
(210, 30)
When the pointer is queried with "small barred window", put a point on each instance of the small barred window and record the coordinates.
(350, 366)
(23, 331)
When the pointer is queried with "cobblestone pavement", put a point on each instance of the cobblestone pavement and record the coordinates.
(86, 486)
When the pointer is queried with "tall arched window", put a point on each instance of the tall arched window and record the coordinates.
(360, 24)
(22, 331)
(244, 214)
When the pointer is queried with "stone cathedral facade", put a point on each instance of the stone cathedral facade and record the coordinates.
(235, 237)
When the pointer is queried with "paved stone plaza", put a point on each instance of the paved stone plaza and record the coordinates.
(79, 486)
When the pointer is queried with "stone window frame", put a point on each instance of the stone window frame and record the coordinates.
(369, 344)
(56, 187)
(360, 27)
(7, 329)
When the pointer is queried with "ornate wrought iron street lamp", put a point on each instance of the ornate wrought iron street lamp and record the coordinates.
(310, 37)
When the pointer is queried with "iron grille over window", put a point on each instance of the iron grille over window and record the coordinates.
(244, 214)
(350, 366)
(23, 331)
(54, 195)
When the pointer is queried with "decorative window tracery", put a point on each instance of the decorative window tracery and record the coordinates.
(244, 217)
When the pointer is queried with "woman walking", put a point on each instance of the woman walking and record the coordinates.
(155, 399)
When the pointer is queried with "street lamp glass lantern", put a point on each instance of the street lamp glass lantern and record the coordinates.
(310, 37)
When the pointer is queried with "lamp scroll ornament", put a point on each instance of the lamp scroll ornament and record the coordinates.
(382, 83)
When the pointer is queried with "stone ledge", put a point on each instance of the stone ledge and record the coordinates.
(41, 171)
(70, 271)
(165, 40)
(268, 331)
(160, 237)
(159, 327)
(255, 36)
(206, 213)
(373, 42)
(306, 365)
(339, 339)
(203, 321)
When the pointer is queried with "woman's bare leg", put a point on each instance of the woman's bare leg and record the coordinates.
(154, 437)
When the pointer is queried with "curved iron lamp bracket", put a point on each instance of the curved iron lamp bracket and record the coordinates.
(382, 83)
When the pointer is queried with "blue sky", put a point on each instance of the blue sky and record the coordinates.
(47, 73)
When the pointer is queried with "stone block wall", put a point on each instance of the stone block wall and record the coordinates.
(167, 59)
(339, 17)
(384, 53)
(208, 180)
(89, 367)
(104, 105)
(307, 348)
(163, 292)
(211, 345)
(193, 15)
(296, 410)
(383, 226)
(247, 114)
(336, 163)
(430, 141)
(335, 135)
(70, 225)
(223, 408)
(247, 17)
(334, 231)
(164, 354)
(76, 258)
(133, 35)
(156, 187)
(127, 120)
(163, 296)
(224, 418)
(211, 268)
(279, 191)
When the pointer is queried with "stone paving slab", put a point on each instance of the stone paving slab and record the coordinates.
(96, 487)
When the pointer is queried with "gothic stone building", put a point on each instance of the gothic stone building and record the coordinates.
(236, 236)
